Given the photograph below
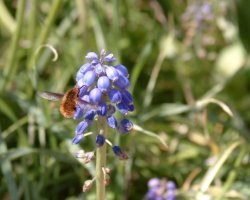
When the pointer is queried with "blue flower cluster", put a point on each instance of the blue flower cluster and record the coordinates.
(161, 190)
(103, 89)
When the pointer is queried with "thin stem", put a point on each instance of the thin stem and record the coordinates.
(32, 25)
(14, 127)
(152, 81)
(49, 21)
(101, 161)
(10, 67)
(88, 133)
(108, 142)
(46, 28)
(233, 174)
(6, 19)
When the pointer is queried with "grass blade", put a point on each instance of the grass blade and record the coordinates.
(139, 64)
(166, 110)
(5, 108)
(214, 169)
(10, 67)
(151, 134)
(6, 18)
(7, 171)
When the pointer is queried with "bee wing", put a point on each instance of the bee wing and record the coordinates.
(50, 96)
(85, 103)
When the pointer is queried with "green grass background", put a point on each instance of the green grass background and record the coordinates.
(190, 85)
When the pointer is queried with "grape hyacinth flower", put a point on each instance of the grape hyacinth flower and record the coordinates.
(119, 153)
(161, 189)
(103, 92)
(100, 92)
(171, 187)
(105, 88)
(100, 139)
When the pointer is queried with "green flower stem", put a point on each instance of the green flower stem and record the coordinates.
(101, 161)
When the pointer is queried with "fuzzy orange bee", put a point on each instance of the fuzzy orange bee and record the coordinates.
(69, 100)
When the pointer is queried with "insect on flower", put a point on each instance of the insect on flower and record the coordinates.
(69, 100)
(101, 88)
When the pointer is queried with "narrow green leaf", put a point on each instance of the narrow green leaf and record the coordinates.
(14, 127)
(6, 109)
(166, 110)
(214, 169)
(137, 69)
(152, 81)
(6, 18)
(150, 133)
(10, 66)
(231, 178)
(7, 171)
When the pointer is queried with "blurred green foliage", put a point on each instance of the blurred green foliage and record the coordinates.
(189, 76)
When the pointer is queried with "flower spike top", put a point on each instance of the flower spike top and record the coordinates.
(104, 86)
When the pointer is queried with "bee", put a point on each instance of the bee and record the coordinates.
(69, 100)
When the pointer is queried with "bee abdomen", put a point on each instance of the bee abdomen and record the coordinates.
(69, 103)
